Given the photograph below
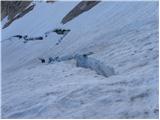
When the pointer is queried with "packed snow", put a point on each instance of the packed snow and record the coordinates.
(123, 35)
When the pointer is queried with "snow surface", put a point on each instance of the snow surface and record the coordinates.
(124, 35)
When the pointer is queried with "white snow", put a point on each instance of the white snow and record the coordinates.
(124, 35)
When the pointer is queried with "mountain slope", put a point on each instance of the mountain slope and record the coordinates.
(124, 35)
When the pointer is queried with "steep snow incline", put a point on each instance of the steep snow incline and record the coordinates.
(123, 35)
(42, 18)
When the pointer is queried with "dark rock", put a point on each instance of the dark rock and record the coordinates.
(79, 9)
(15, 10)
(18, 36)
(42, 60)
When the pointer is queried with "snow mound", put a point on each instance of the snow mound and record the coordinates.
(93, 64)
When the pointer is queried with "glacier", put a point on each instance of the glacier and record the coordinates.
(123, 35)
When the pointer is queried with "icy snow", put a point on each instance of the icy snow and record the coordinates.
(123, 35)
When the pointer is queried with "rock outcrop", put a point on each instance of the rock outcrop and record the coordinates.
(79, 9)
(50, 1)
(14, 10)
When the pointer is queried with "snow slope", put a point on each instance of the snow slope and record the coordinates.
(123, 35)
